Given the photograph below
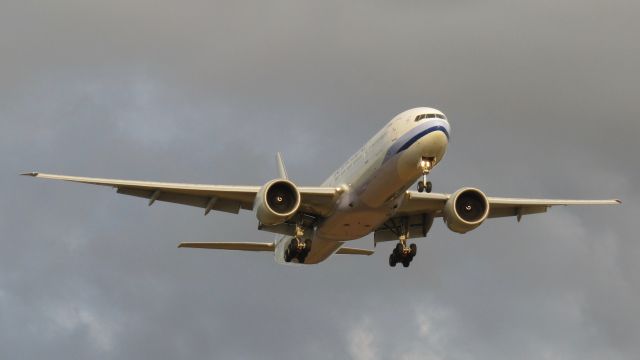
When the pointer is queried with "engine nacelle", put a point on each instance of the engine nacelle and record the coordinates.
(277, 202)
(465, 210)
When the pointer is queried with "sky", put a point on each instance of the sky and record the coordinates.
(542, 98)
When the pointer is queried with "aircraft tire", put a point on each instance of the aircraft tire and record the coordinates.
(392, 260)
(398, 250)
(293, 248)
(406, 262)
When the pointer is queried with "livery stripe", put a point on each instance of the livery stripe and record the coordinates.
(420, 135)
(415, 134)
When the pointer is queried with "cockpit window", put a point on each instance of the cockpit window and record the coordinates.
(429, 116)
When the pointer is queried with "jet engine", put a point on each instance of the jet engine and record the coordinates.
(465, 210)
(277, 202)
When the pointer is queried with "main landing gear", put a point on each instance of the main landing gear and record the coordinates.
(298, 248)
(402, 253)
(425, 165)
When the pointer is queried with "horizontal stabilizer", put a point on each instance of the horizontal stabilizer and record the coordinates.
(241, 246)
(354, 251)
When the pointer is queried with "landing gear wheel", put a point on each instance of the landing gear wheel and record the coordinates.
(406, 262)
(293, 246)
(425, 187)
(392, 260)
(302, 255)
(414, 249)
(287, 256)
(398, 250)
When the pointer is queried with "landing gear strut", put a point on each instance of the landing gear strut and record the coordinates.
(402, 253)
(425, 165)
(298, 248)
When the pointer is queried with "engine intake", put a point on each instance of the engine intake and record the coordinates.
(277, 202)
(465, 210)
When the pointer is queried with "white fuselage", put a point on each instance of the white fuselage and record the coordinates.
(374, 180)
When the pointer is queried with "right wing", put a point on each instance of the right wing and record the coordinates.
(416, 203)
(417, 211)
(315, 200)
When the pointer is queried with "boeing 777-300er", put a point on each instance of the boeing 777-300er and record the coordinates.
(368, 194)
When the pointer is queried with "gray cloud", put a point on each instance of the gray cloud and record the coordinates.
(542, 99)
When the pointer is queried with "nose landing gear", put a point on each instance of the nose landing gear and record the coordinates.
(424, 186)
(425, 165)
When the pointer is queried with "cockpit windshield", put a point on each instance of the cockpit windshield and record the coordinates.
(430, 116)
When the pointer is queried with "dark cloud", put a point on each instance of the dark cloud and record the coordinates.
(542, 97)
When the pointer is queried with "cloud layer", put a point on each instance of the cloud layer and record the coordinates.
(542, 98)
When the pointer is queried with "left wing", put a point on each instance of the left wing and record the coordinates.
(433, 203)
(315, 200)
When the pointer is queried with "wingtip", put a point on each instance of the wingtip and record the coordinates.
(618, 201)
(33, 173)
(180, 245)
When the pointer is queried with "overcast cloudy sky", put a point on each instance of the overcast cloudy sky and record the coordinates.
(543, 102)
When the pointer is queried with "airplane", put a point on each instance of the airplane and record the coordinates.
(368, 194)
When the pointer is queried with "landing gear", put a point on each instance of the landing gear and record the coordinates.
(298, 248)
(425, 165)
(424, 187)
(402, 253)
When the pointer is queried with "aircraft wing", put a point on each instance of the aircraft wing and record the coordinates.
(433, 203)
(315, 200)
